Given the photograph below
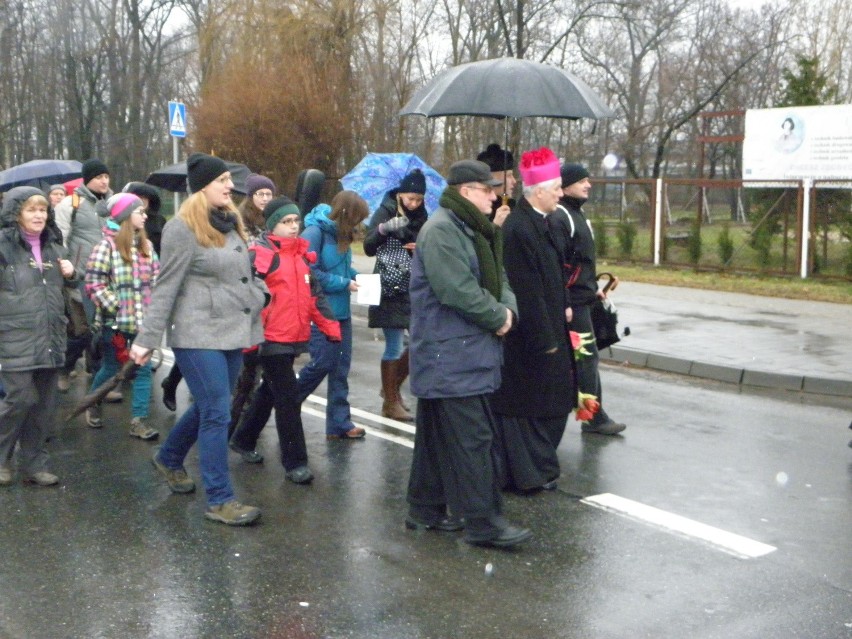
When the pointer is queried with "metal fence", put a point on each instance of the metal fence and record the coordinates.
(726, 224)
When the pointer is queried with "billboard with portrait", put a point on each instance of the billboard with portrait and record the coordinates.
(796, 143)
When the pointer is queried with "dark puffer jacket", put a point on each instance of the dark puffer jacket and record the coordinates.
(392, 312)
(32, 309)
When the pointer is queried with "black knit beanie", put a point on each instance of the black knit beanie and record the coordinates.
(202, 169)
(572, 173)
(92, 169)
(414, 182)
(278, 209)
(497, 159)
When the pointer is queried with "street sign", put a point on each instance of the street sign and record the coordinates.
(177, 119)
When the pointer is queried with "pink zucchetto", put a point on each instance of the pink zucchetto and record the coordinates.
(539, 166)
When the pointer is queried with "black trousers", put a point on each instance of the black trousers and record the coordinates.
(588, 377)
(453, 465)
(282, 388)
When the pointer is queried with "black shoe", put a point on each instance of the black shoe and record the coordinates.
(249, 456)
(608, 427)
(300, 475)
(169, 392)
(447, 524)
(550, 485)
(508, 537)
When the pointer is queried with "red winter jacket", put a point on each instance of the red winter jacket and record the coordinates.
(297, 298)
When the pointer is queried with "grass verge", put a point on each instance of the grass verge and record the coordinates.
(792, 288)
(836, 291)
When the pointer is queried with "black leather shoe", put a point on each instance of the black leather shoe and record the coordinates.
(508, 537)
(550, 485)
(608, 427)
(249, 456)
(447, 524)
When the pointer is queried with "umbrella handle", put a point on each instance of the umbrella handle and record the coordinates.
(505, 199)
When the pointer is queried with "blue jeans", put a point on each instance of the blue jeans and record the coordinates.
(330, 359)
(393, 343)
(211, 376)
(110, 366)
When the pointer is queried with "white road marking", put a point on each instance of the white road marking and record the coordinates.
(377, 419)
(731, 543)
(728, 542)
(370, 431)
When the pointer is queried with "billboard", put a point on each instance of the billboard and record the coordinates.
(796, 143)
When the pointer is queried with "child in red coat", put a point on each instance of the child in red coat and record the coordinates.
(281, 258)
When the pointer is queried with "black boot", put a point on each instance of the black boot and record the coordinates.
(169, 385)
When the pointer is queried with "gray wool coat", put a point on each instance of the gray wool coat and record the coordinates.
(207, 298)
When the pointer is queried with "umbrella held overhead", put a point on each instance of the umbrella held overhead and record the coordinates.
(39, 173)
(378, 173)
(173, 177)
(507, 88)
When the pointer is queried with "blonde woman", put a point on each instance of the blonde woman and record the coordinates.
(208, 297)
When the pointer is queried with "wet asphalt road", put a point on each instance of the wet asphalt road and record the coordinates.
(112, 553)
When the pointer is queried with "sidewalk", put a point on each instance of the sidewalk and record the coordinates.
(742, 339)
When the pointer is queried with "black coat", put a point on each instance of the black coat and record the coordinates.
(392, 312)
(577, 244)
(535, 383)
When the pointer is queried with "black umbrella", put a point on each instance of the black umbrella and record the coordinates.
(39, 173)
(173, 177)
(127, 371)
(507, 88)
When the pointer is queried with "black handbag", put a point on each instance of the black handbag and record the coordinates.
(605, 317)
(394, 264)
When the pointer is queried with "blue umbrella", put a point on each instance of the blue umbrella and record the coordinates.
(39, 173)
(379, 173)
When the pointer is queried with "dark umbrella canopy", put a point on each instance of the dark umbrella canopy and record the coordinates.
(507, 88)
(173, 177)
(39, 173)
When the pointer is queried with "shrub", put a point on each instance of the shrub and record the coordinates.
(626, 235)
(726, 245)
(693, 243)
(761, 241)
(601, 240)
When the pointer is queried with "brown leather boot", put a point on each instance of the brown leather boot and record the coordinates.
(401, 376)
(391, 407)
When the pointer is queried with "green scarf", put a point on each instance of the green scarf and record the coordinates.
(487, 239)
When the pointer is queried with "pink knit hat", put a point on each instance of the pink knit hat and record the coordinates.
(121, 205)
(539, 166)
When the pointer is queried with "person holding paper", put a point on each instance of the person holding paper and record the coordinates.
(330, 231)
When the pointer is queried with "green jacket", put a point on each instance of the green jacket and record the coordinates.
(454, 349)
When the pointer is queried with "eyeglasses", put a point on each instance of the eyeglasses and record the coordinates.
(265, 195)
(477, 187)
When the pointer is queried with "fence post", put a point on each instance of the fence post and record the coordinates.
(658, 220)
(807, 185)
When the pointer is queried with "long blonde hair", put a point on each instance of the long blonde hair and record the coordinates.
(195, 212)
(124, 240)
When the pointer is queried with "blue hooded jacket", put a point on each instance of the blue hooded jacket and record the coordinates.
(333, 270)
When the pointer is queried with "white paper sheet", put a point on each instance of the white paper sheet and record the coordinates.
(369, 289)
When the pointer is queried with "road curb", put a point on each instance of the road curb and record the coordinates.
(715, 372)
(728, 374)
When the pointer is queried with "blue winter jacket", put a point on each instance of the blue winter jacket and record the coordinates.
(332, 270)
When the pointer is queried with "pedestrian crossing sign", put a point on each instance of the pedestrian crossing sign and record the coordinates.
(177, 119)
